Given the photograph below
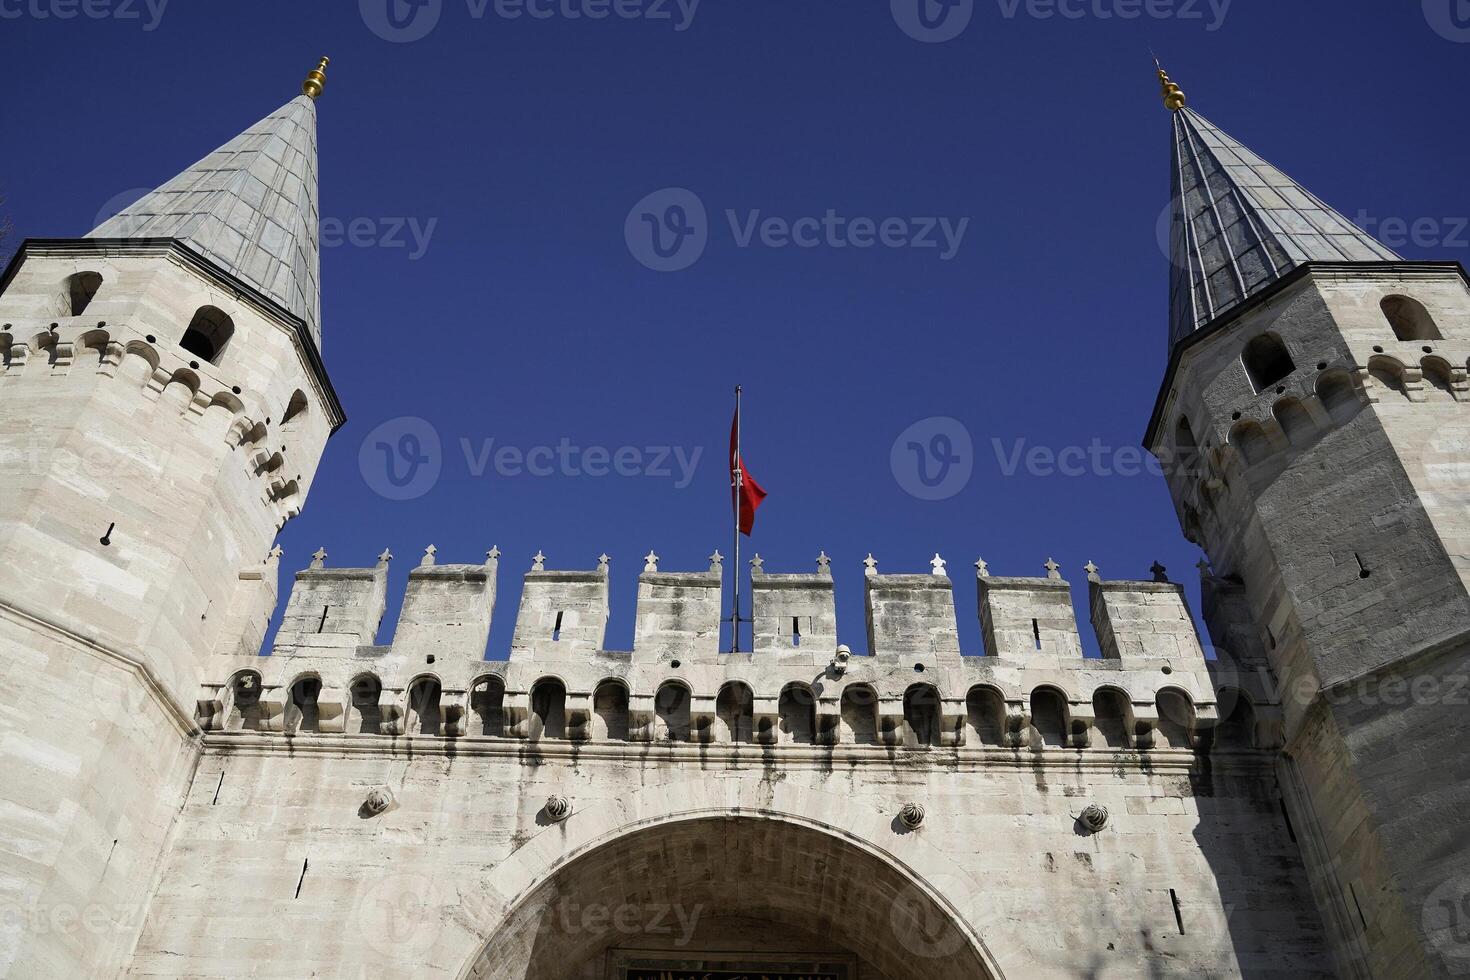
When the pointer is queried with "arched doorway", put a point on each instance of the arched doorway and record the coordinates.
(726, 895)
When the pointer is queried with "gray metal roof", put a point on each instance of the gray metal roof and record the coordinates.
(1239, 225)
(250, 207)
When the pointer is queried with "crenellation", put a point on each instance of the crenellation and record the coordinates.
(678, 616)
(447, 611)
(563, 615)
(333, 610)
(912, 616)
(795, 615)
(1137, 620)
(1029, 620)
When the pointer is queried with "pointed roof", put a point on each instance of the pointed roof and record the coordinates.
(250, 207)
(1239, 224)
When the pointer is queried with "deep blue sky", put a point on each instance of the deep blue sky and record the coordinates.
(527, 319)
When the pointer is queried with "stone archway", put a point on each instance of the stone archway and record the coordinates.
(745, 888)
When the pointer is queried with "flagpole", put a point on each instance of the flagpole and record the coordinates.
(737, 476)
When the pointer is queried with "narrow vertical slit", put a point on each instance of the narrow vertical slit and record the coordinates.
(796, 631)
(1036, 632)
(300, 881)
(217, 787)
(556, 630)
(323, 624)
(1178, 915)
(1363, 571)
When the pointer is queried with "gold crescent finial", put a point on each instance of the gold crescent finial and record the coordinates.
(1174, 97)
(316, 79)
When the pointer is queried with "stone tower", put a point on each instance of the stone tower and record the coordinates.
(166, 407)
(1314, 414)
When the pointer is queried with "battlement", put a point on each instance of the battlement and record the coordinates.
(1032, 687)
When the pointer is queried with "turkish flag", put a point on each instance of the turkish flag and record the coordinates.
(746, 495)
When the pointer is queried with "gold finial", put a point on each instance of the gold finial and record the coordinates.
(316, 80)
(1173, 95)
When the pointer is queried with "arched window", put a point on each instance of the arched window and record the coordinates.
(860, 714)
(671, 704)
(487, 701)
(303, 715)
(798, 710)
(1236, 730)
(80, 289)
(295, 408)
(1266, 361)
(986, 712)
(735, 707)
(1049, 718)
(1339, 397)
(548, 709)
(245, 713)
(208, 333)
(610, 708)
(1176, 721)
(424, 718)
(921, 713)
(1110, 711)
(367, 713)
(1409, 319)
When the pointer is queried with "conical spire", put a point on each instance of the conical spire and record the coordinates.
(250, 207)
(1239, 224)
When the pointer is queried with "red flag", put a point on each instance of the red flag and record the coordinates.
(746, 495)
